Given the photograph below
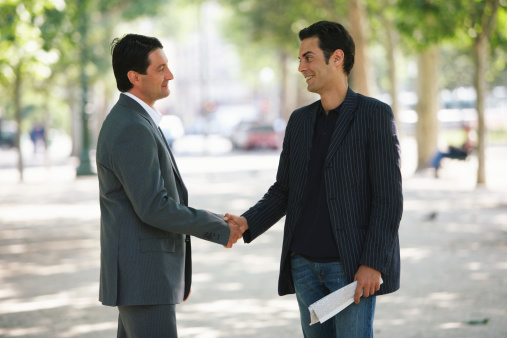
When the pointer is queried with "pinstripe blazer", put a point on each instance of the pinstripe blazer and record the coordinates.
(145, 221)
(363, 187)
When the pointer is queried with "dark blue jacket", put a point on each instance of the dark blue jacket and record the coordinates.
(363, 185)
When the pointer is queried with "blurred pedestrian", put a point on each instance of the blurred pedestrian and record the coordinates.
(339, 184)
(459, 153)
(38, 136)
(145, 220)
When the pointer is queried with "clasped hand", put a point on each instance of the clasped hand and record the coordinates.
(238, 225)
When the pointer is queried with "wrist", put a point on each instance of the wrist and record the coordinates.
(244, 226)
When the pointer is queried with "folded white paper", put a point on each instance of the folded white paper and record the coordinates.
(330, 305)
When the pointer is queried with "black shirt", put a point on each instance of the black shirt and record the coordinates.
(314, 237)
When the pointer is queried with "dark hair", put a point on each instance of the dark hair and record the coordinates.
(332, 36)
(131, 52)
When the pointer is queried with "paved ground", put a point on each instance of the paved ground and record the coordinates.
(453, 238)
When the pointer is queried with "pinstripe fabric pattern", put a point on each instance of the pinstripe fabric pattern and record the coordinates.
(363, 186)
(145, 220)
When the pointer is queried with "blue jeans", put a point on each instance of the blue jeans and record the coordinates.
(315, 280)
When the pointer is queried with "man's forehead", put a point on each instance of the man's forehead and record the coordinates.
(157, 57)
(309, 45)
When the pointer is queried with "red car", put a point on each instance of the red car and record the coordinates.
(248, 136)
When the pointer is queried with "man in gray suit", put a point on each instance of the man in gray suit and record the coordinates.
(145, 220)
(339, 184)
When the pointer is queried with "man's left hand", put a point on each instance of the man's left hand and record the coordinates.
(368, 281)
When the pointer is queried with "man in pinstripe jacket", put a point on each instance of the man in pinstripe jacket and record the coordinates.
(339, 184)
(145, 218)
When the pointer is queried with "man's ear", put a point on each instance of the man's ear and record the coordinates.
(133, 77)
(337, 57)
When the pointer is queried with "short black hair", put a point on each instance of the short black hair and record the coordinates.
(332, 36)
(131, 52)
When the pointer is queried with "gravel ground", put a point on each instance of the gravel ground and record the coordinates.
(453, 238)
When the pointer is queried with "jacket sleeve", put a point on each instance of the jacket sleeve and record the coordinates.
(273, 205)
(136, 161)
(386, 189)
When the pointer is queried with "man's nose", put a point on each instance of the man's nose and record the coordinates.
(301, 67)
(169, 75)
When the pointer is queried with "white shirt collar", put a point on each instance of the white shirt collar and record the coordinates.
(154, 114)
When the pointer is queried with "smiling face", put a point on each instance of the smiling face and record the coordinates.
(154, 85)
(320, 76)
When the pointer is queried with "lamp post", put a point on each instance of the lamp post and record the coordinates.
(84, 167)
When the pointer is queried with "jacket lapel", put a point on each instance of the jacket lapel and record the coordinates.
(171, 157)
(125, 100)
(346, 116)
(183, 191)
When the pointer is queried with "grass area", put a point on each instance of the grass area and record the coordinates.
(453, 137)
(456, 137)
(497, 136)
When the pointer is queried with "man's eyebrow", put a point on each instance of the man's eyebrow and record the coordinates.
(305, 54)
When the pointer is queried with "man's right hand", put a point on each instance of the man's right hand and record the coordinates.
(238, 226)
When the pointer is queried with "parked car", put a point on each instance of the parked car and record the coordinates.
(227, 117)
(8, 130)
(254, 136)
(172, 128)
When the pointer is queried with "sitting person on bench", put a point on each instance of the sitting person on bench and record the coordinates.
(458, 153)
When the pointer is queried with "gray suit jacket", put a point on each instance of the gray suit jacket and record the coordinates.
(145, 220)
(363, 187)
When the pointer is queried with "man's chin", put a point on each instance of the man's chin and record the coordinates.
(310, 89)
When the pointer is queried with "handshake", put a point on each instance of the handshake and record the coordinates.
(238, 225)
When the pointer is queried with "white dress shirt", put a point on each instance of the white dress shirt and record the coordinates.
(154, 114)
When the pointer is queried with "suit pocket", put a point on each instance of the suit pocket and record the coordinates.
(157, 245)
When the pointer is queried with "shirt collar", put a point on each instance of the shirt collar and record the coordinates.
(154, 114)
(332, 111)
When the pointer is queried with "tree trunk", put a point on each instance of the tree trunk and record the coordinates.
(85, 164)
(103, 110)
(283, 89)
(75, 124)
(427, 106)
(19, 118)
(481, 56)
(481, 51)
(391, 57)
(289, 88)
(359, 74)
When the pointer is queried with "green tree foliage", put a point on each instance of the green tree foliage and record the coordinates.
(469, 25)
(424, 23)
(266, 31)
(25, 55)
(481, 28)
(22, 41)
(53, 44)
(272, 23)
